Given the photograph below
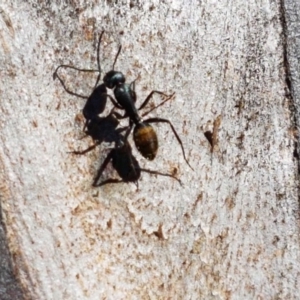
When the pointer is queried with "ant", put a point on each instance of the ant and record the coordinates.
(144, 135)
(121, 155)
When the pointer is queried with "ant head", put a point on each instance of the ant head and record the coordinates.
(113, 78)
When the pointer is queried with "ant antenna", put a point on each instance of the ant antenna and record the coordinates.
(117, 57)
(98, 59)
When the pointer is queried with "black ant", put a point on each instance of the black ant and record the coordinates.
(121, 155)
(144, 135)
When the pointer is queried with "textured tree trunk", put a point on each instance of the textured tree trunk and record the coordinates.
(231, 231)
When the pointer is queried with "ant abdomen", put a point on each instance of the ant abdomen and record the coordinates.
(145, 139)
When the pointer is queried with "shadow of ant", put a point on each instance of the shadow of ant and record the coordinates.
(102, 129)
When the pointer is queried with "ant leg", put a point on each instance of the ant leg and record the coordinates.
(132, 85)
(107, 181)
(55, 75)
(118, 116)
(128, 131)
(132, 90)
(102, 168)
(86, 150)
(86, 123)
(73, 68)
(155, 107)
(159, 120)
(151, 95)
(115, 103)
(67, 90)
(162, 174)
(121, 129)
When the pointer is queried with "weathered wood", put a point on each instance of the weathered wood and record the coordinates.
(231, 232)
(290, 18)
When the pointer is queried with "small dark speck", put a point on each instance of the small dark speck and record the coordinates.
(174, 171)
(109, 223)
(276, 239)
(58, 105)
(159, 232)
(186, 215)
(295, 153)
(208, 135)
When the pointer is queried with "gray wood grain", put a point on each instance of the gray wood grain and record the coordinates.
(232, 230)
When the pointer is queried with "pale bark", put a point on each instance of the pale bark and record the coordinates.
(232, 230)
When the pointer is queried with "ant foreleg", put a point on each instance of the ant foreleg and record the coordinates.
(151, 95)
(55, 75)
(155, 107)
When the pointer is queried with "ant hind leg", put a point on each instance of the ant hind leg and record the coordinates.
(160, 120)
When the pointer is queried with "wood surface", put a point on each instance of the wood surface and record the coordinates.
(231, 231)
